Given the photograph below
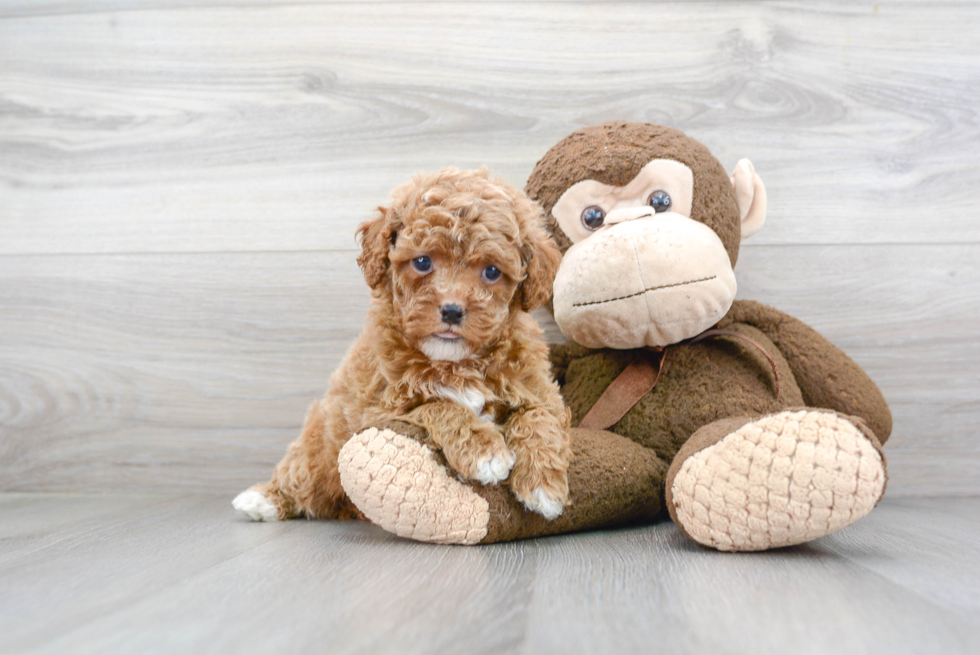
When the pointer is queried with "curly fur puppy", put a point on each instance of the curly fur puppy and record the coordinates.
(454, 264)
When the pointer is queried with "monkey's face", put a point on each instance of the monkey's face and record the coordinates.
(642, 267)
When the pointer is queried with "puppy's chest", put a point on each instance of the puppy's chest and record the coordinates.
(484, 405)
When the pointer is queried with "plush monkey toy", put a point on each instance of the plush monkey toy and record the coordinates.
(743, 423)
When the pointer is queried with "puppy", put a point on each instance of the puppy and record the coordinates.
(455, 263)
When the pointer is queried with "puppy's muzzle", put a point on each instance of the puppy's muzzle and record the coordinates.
(452, 314)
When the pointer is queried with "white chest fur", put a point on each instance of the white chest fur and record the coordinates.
(469, 398)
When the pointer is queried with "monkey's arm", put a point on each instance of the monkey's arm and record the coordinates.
(827, 377)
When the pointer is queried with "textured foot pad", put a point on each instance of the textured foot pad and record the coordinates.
(398, 484)
(781, 480)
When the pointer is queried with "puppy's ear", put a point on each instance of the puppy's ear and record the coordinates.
(540, 255)
(376, 237)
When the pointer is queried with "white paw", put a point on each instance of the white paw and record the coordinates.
(255, 506)
(495, 469)
(544, 504)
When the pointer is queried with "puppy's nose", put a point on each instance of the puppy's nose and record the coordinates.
(452, 314)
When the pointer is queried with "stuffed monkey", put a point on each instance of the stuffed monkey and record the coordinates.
(748, 427)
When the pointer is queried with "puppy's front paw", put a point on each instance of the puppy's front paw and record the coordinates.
(542, 489)
(481, 455)
(546, 505)
(494, 469)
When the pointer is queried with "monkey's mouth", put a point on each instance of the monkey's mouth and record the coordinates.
(648, 290)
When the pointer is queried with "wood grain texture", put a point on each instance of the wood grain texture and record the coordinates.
(180, 182)
(196, 128)
(165, 371)
(182, 574)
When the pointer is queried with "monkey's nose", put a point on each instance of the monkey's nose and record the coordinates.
(452, 314)
(628, 214)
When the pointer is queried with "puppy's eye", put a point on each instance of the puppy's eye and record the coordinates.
(491, 273)
(660, 201)
(422, 264)
(593, 217)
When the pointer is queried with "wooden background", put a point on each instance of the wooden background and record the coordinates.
(180, 182)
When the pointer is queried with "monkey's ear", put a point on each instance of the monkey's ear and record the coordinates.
(376, 237)
(750, 194)
(540, 255)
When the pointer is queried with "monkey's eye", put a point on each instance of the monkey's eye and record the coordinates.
(491, 273)
(660, 201)
(593, 217)
(422, 264)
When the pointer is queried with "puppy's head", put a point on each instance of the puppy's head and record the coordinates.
(456, 253)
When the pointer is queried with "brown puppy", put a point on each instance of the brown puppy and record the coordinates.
(454, 265)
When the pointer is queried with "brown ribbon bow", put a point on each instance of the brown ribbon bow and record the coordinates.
(641, 376)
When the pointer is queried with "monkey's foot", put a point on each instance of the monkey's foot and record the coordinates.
(398, 484)
(781, 480)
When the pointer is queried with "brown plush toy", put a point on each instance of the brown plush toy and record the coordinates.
(751, 429)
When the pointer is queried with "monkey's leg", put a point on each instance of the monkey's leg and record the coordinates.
(403, 486)
(783, 479)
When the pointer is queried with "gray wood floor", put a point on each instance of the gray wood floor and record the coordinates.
(146, 574)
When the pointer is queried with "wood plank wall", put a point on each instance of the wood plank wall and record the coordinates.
(180, 182)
